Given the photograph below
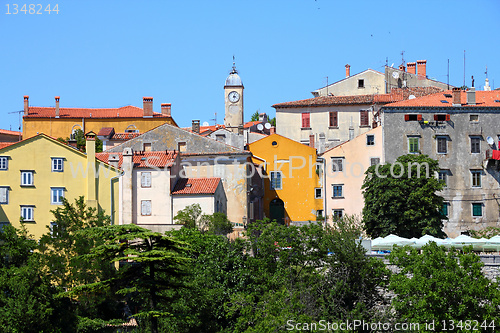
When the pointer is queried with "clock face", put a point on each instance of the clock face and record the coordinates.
(233, 96)
(395, 75)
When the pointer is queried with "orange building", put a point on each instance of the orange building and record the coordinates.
(62, 122)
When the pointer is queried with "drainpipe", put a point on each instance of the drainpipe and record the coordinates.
(112, 196)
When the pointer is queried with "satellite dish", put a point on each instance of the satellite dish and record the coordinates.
(205, 123)
(267, 125)
(395, 75)
(260, 127)
(490, 141)
(411, 97)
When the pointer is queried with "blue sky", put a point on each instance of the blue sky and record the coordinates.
(112, 53)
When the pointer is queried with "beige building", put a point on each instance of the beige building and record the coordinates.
(206, 192)
(370, 82)
(345, 172)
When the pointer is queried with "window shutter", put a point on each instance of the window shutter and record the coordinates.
(305, 120)
(436, 117)
(448, 117)
(419, 117)
(363, 118)
(407, 117)
(333, 119)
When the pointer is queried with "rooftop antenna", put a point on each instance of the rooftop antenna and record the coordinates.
(402, 57)
(448, 79)
(327, 86)
(18, 112)
(214, 119)
(464, 68)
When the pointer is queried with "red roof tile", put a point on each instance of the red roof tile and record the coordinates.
(124, 136)
(251, 123)
(2, 131)
(196, 186)
(483, 99)
(106, 131)
(5, 144)
(128, 111)
(148, 159)
(394, 96)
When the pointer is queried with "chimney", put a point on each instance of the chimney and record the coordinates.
(263, 117)
(471, 96)
(166, 109)
(422, 68)
(127, 201)
(114, 160)
(57, 106)
(147, 106)
(412, 69)
(456, 96)
(26, 104)
(92, 175)
(402, 67)
(347, 70)
(195, 127)
(272, 130)
(311, 140)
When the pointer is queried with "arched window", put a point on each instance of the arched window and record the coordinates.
(131, 129)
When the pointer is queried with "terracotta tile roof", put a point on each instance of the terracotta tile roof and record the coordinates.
(395, 95)
(483, 99)
(124, 136)
(205, 130)
(128, 111)
(251, 123)
(2, 131)
(6, 144)
(196, 186)
(148, 159)
(106, 131)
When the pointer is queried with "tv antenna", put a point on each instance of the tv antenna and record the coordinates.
(214, 118)
(18, 112)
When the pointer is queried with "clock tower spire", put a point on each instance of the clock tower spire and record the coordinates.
(233, 91)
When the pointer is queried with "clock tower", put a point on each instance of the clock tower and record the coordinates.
(233, 92)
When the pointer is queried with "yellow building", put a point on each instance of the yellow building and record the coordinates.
(62, 122)
(292, 187)
(35, 173)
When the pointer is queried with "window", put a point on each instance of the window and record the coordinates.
(337, 214)
(363, 118)
(413, 117)
(477, 209)
(53, 229)
(337, 164)
(145, 207)
(181, 147)
(145, 179)
(4, 163)
(374, 160)
(56, 195)
(337, 191)
(220, 137)
(413, 145)
(334, 122)
(442, 145)
(361, 83)
(4, 195)
(443, 175)
(131, 129)
(57, 164)
(27, 213)
(476, 178)
(370, 140)
(146, 146)
(444, 209)
(475, 145)
(318, 193)
(275, 180)
(319, 213)
(474, 117)
(306, 120)
(27, 178)
(442, 117)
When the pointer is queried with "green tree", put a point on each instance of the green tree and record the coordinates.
(442, 285)
(217, 223)
(79, 136)
(189, 216)
(150, 267)
(28, 301)
(401, 198)
(255, 116)
(273, 121)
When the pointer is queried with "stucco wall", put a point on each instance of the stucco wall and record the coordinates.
(357, 159)
(373, 84)
(458, 160)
